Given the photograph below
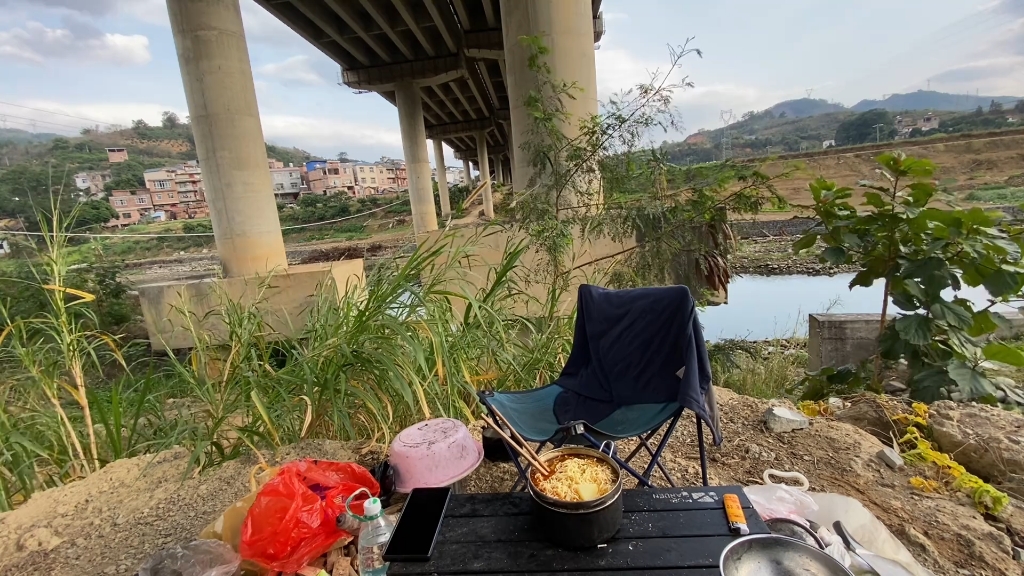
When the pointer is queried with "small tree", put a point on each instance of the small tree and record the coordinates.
(979, 111)
(343, 157)
(1019, 107)
(169, 119)
(918, 252)
(139, 124)
(994, 107)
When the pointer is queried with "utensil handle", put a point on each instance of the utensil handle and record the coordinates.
(524, 452)
(847, 538)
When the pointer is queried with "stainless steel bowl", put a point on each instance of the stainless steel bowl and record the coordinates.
(771, 555)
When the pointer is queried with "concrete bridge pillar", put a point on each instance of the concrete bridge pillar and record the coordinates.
(414, 145)
(221, 98)
(485, 173)
(442, 178)
(469, 173)
(217, 77)
(566, 27)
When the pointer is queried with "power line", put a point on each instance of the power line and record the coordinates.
(43, 121)
(56, 113)
(180, 234)
(4, 120)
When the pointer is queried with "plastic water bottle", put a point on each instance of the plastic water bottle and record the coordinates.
(373, 538)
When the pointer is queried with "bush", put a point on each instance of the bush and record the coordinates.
(996, 194)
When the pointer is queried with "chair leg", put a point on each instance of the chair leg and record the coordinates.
(643, 444)
(622, 463)
(703, 451)
(656, 457)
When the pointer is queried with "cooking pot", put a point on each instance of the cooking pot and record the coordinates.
(578, 524)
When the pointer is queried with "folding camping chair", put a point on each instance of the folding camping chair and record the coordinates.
(531, 413)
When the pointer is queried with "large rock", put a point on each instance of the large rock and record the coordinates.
(988, 441)
(781, 419)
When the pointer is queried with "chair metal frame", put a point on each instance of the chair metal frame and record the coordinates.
(574, 432)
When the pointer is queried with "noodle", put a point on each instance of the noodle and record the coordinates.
(575, 478)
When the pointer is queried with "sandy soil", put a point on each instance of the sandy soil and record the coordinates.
(109, 523)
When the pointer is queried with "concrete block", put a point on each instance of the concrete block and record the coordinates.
(284, 298)
(779, 419)
(894, 387)
(1018, 554)
(1015, 327)
(840, 339)
(891, 458)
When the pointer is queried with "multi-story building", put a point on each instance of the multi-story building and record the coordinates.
(370, 178)
(115, 155)
(452, 174)
(396, 174)
(132, 206)
(904, 124)
(287, 182)
(92, 183)
(178, 190)
(328, 177)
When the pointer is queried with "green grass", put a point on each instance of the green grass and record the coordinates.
(758, 369)
(996, 194)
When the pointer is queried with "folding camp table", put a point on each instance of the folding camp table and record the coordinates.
(677, 531)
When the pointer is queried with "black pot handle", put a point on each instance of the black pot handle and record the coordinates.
(817, 541)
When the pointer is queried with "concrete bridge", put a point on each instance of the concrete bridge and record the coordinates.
(455, 70)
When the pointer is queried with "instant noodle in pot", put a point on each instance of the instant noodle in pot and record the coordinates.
(575, 478)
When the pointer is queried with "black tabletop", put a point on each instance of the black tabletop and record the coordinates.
(664, 531)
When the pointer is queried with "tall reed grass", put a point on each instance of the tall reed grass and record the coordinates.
(415, 341)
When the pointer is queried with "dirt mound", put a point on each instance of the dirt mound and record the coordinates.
(986, 440)
(111, 521)
(945, 532)
(336, 253)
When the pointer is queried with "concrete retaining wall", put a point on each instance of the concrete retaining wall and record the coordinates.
(841, 339)
(771, 228)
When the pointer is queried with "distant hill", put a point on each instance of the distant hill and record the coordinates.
(804, 107)
(17, 136)
(932, 100)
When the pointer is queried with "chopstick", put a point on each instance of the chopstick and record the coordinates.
(512, 429)
(523, 451)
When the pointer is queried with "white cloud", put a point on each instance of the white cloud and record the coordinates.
(321, 134)
(294, 70)
(619, 69)
(327, 133)
(77, 41)
(261, 26)
(120, 113)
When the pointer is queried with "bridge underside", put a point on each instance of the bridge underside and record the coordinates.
(453, 50)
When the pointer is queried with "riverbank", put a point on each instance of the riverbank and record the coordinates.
(774, 257)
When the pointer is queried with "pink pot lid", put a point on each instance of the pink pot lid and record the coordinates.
(432, 453)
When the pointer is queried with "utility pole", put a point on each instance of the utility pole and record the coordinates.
(727, 119)
(878, 132)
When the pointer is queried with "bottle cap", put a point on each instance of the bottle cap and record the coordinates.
(371, 508)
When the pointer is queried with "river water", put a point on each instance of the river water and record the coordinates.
(763, 307)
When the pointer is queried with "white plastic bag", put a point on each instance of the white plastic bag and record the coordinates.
(780, 501)
(864, 526)
(199, 558)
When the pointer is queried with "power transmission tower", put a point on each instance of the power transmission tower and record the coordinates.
(727, 118)
(809, 91)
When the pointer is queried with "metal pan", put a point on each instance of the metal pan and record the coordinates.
(771, 555)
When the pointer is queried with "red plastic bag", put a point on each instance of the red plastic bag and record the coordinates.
(293, 519)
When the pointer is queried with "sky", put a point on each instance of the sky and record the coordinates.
(113, 61)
